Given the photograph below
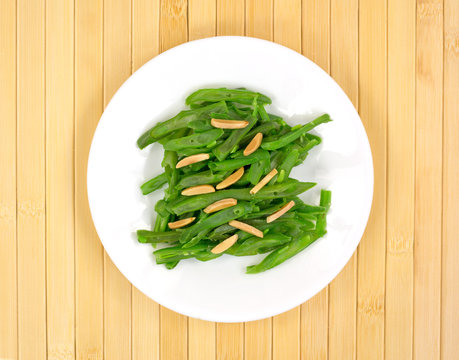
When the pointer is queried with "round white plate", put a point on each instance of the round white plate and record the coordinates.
(219, 290)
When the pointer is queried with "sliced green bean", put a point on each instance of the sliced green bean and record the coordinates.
(194, 141)
(201, 178)
(154, 184)
(152, 237)
(233, 95)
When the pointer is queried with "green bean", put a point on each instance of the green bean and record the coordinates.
(265, 129)
(194, 141)
(282, 254)
(196, 232)
(223, 150)
(179, 121)
(259, 168)
(233, 95)
(154, 184)
(287, 165)
(177, 253)
(236, 163)
(153, 237)
(201, 178)
(207, 255)
(171, 265)
(263, 114)
(254, 245)
(293, 135)
(321, 224)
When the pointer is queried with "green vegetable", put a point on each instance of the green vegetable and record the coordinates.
(233, 95)
(190, 132)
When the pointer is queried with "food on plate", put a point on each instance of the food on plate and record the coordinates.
(227, 165)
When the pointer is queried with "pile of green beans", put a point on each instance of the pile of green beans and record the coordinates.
(283, 147)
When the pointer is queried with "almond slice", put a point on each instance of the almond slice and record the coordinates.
(220, 204)
(254, 144)
(263, 181)
(198, 190)
(280, 212)
(246, 227)
(230, 180)
(229, 124)
(224, 245)
(181, 223)
(191, 160)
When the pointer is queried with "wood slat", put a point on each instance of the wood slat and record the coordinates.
(117, 289)
(174, 326)
(286, 335)
(286, 327)
(60, 179)
(373, 111)
(145, 312)
(174, 330)
(230, 341)
(230, 21)
(8, 274)
(202, 22)
(450, 254)
(400, 179)
(89, 254)
(428, 203)
(259, 19)
(344, 68)
(316, 46)
(31, 196)
(230, 17)
(258, 334)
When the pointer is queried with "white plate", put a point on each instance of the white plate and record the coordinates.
(219, 290)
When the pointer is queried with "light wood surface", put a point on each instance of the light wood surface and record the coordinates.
(60, 295)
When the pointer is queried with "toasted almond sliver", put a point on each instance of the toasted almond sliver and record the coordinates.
(191, 160)
(198, 190)
(224, 245)
(230, 180)
(181, 223)
(254, 144)
(263, 181)
(220, 204)
(280, 212)
(229, 124)
(246, 227)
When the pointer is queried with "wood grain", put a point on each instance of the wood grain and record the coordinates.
(315, 46)
(174, 330)
(230, 17)
(400, 179)
(60, 179)
(8, 241)
(373, 111)
(428, 203)
(145, 312)
(31, 187)
(117, 289)
(344, 68)
(230, 341)
(258, 334)
(89, 254)
(450, 254)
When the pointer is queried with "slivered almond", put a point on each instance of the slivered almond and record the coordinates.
(191, 160)
(220, 204)
(198, 190)
(254, 144)
(224, 245)
(280, 212)
(181, 223)
(229, 124)
(263, 181)
(246, 227)
(230, 180)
